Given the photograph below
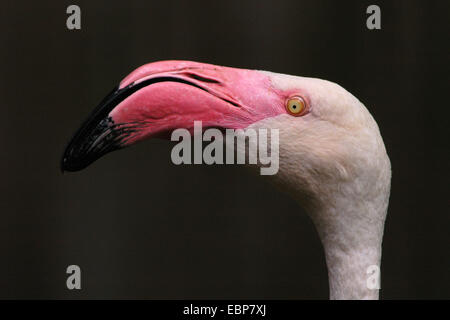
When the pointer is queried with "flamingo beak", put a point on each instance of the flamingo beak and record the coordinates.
(160, 97)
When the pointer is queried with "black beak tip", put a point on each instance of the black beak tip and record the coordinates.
(98, 135)
(70, 164)
(70, 161)
(74, 160)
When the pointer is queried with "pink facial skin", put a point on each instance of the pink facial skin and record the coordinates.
(231, 98)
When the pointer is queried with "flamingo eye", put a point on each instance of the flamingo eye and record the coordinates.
(296, 106)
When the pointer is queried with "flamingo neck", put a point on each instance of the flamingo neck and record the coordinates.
(351, 234)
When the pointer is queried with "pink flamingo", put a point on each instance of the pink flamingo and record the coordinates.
(332, 157)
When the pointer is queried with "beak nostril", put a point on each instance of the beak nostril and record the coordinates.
(200, 78)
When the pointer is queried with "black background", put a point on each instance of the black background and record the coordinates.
(141, 227)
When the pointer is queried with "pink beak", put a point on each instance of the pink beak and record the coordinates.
(160, 97)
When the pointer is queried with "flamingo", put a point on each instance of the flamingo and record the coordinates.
(332, 158)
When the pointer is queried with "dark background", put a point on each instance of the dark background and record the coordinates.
(141, 227)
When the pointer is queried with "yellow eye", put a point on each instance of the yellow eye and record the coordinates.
(296, 106)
